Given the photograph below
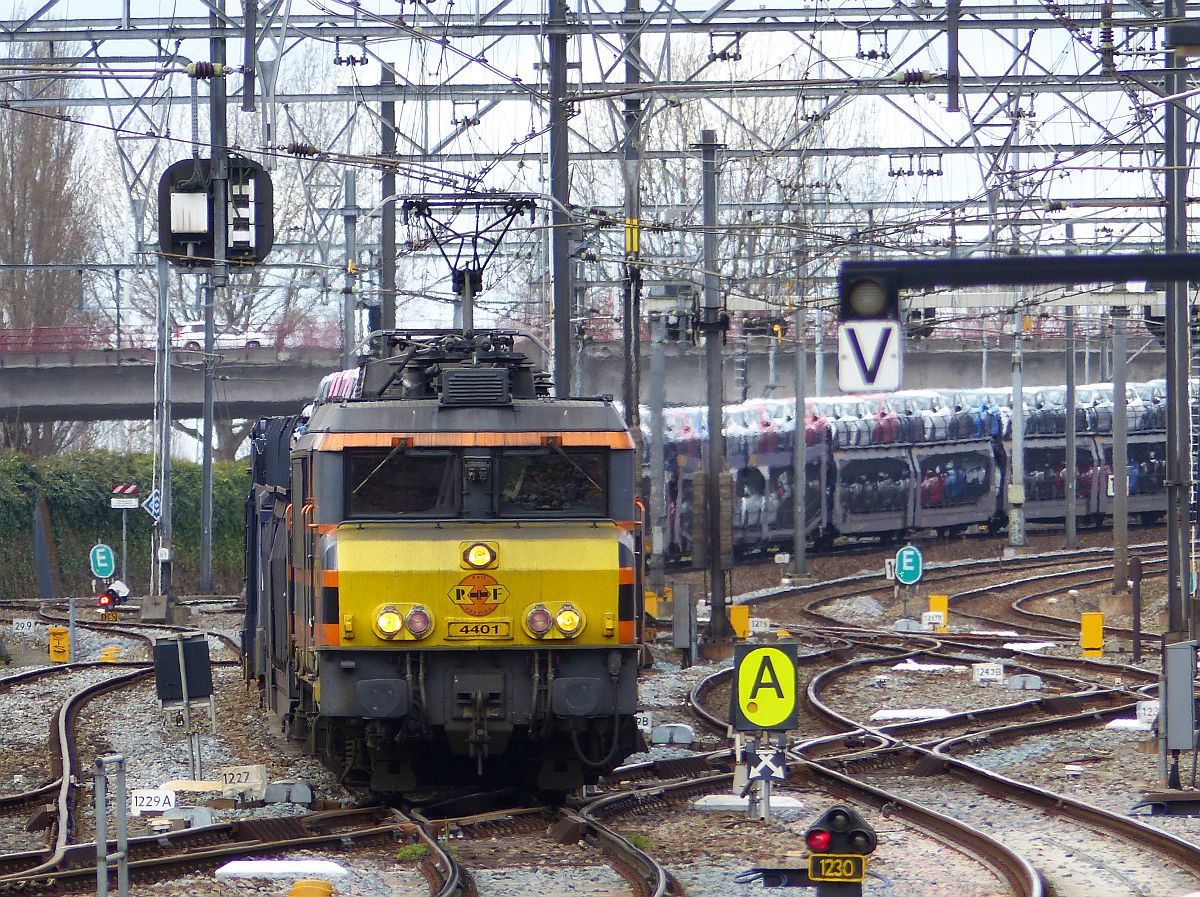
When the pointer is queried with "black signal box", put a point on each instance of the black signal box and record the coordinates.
(196, 662)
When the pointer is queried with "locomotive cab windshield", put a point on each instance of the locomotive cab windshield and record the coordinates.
(533, 482)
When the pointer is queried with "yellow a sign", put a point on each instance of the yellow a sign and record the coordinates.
(764, 687)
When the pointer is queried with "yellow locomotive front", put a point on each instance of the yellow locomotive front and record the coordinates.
(466, 582)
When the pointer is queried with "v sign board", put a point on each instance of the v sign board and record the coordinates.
(870, 355)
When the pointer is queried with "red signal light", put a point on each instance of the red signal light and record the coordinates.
(104, 600)
(817, 839)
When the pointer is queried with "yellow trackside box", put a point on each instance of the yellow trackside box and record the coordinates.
(1091, 634)
(60, 644)
(739, 619)
(941, 604)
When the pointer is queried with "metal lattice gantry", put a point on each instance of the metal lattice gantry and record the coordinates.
(857, 128)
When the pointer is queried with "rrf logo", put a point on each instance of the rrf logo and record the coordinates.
(478, 594)
(764, 687)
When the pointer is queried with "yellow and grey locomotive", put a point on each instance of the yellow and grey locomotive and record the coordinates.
(443, 570)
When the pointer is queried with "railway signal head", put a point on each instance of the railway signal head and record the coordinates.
(115, 594)
(868, 297)
(840, 830)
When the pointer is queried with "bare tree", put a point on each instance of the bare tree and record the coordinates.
(298, 301)
(48, 218)
(770, 201)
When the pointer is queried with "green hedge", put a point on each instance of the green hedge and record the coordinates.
(77, 488)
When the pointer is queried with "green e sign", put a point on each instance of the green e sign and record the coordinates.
(909, 565)
(103, 564)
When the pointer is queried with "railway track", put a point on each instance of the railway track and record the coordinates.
(146, 633)
(854, 762)
(62, 791)
(57, 798)
(1044, 827)
(158, 857)
(827, 592)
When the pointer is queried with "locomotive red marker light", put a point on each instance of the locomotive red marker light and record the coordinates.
(539, 620)
(104, 600)
(418, 621)
(817, 839)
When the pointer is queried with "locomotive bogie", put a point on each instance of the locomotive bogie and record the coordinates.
(455, 713)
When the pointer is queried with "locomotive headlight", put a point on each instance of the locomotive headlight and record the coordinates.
(479, 555)
(388, 622)
(418, 621)
(568, 620)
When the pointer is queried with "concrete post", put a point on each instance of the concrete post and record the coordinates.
(1016, 488)
(658, 472)
(1120, 454)
(719, 629)
(1069, 482)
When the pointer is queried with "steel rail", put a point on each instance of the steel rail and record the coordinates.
(445, 875)
(15, 802)
(947, 571)
(647, 875)
(126, 629)
(195, 848)
(1061, 622)
(931, 760)
(1010, 867)
(65, 767)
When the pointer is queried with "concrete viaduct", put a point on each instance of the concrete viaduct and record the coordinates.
(119, 384)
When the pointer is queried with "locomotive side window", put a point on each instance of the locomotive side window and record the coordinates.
(554, 482)
(383, 483)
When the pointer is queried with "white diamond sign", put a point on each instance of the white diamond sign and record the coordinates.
(153, 505)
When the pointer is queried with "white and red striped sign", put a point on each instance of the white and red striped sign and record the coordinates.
(124, 497)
